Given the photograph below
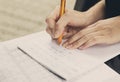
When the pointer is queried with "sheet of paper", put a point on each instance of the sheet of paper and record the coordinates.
(14, 60)
(101, 74)
(113, 79)
(9, 72)
(64, 62)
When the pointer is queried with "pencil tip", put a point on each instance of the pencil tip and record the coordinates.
(59, 41)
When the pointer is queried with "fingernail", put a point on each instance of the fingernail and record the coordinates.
(69, 46)
(82, 47)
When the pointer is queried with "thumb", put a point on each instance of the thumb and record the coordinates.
(60, 26)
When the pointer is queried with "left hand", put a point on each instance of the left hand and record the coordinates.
(102, 32)
(70, 31)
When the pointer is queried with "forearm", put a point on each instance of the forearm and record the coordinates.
(97, 12)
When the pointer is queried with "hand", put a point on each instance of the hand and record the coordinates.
(102, 32)
(71, 18)
(70, 31)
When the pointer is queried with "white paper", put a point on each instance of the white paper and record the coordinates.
(33, 70)
(100, 74)
(15, 66)
(113, 79)
(9, 72)
(66, 63)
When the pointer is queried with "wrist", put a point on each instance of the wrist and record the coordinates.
(96, 12)
(90, 17)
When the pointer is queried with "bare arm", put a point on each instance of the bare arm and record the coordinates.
(97, 12)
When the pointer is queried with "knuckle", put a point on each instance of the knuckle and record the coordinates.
(75, 37)
(86, 37)
(77, 43)
(57, 26)
(94, 39)
(47, 19)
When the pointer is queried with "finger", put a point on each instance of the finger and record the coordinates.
(90, 29)
(60, 25)
(70, 33)
(51, 19)
(48, 30)
(76, 44)
(102, 38)
(93, 41)
(85, 39)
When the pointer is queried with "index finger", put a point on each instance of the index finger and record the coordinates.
(52, 18)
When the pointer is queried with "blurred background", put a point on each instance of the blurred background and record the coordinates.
(23, 17)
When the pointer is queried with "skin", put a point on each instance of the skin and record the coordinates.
(84, 29)
(70, 21)
(102, 32)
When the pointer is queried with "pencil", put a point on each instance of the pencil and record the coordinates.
(62, 11)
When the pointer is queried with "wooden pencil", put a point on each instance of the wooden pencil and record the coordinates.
(62, 11)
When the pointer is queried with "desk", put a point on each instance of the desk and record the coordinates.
(29, 71)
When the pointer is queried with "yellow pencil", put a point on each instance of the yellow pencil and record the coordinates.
(62, 11)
